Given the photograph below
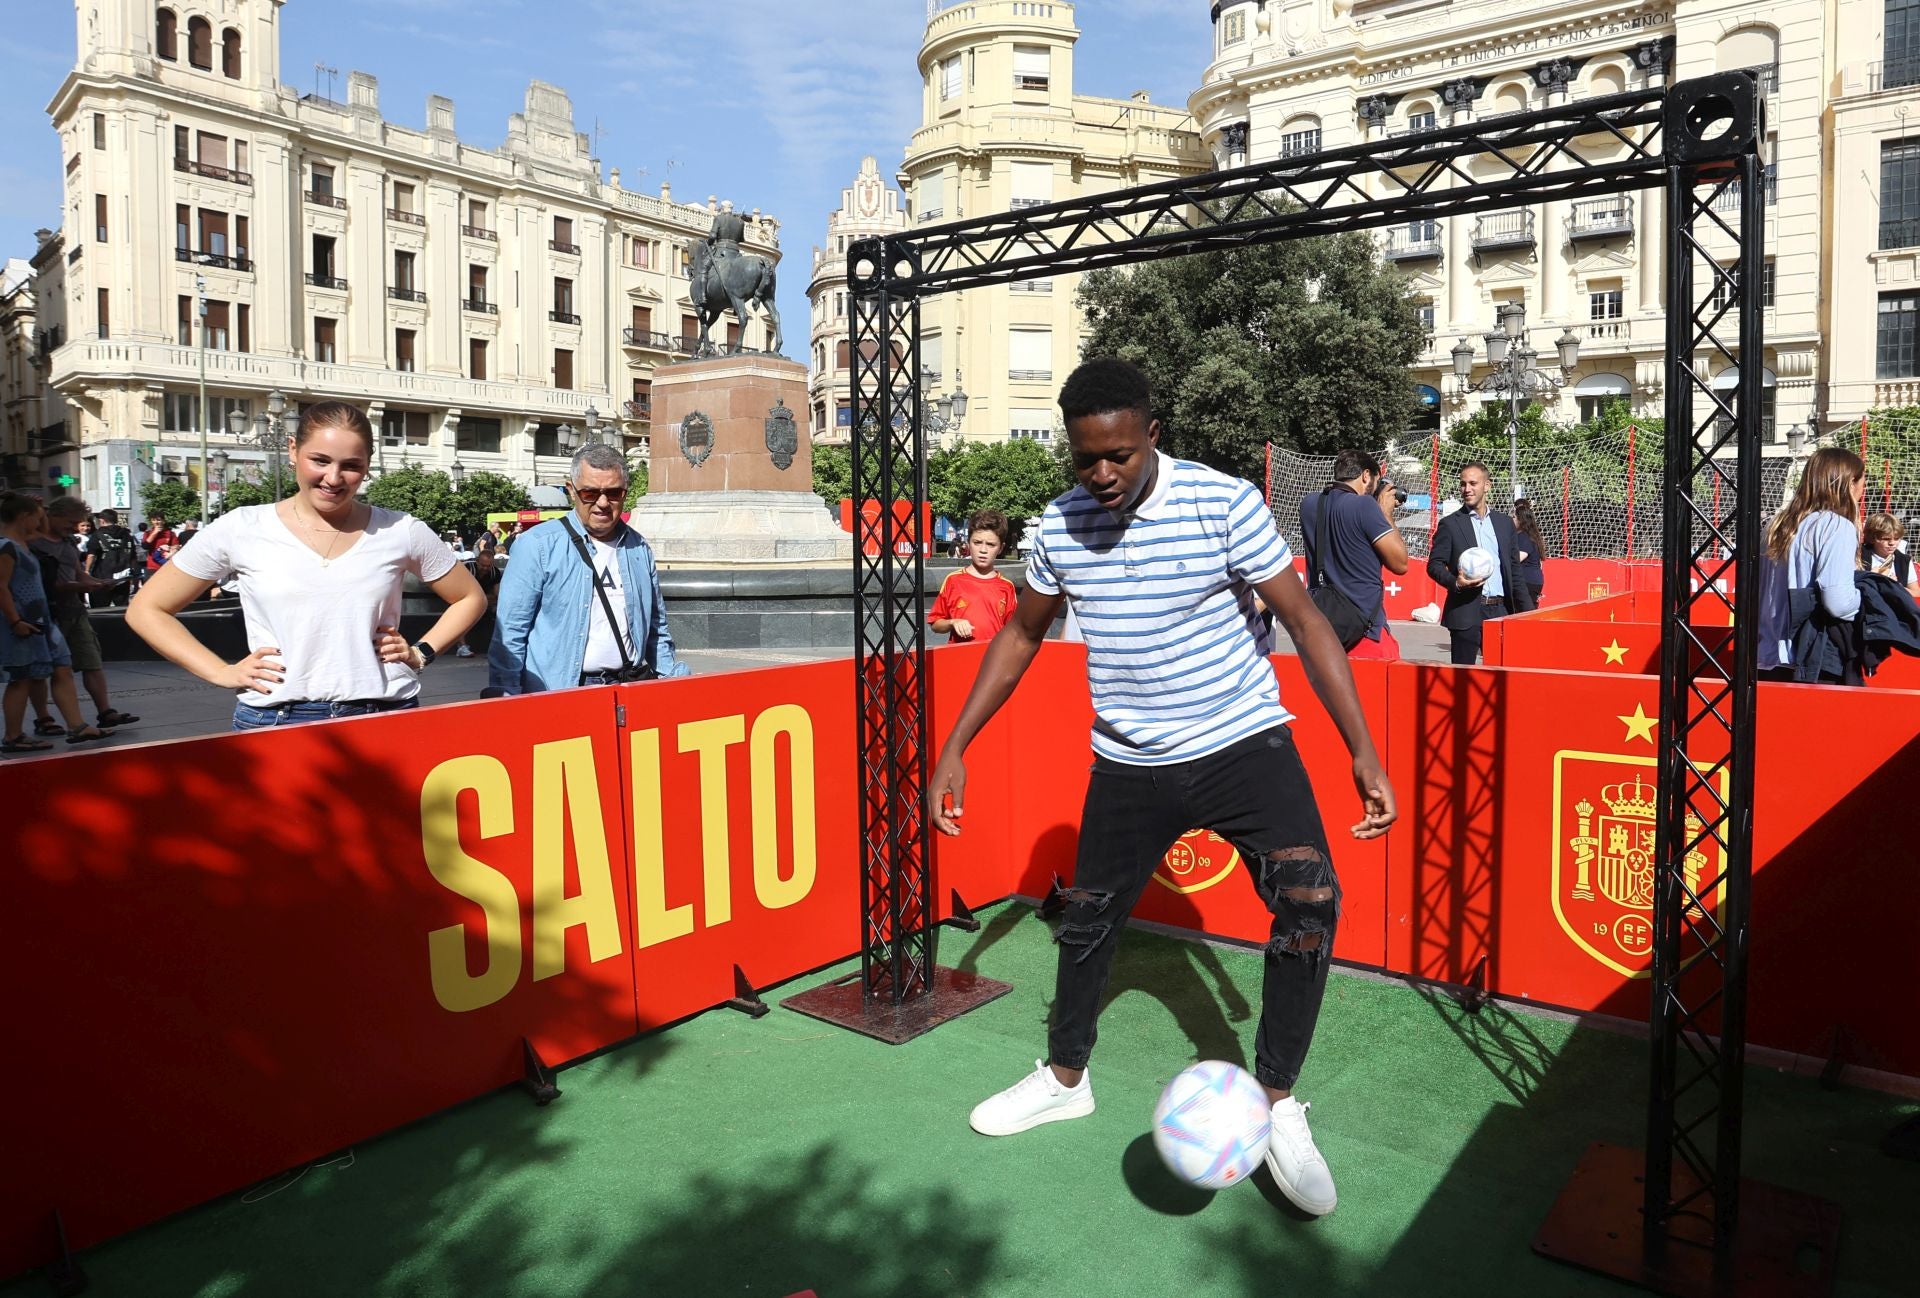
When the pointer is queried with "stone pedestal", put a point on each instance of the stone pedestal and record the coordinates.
(730, 478)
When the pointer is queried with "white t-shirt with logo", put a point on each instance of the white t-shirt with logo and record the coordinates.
(604, 639)
(321, 616)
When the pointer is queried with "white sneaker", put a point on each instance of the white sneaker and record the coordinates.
(1036, 1098)
(463, 652)
(1295, 1161)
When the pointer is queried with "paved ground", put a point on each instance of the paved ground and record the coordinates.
(172, 704)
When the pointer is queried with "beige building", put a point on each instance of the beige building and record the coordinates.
(869, 208)
(1341, 72)
(474, 300)
(1002, 129)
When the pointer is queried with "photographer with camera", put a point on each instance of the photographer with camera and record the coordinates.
(1350, 534)
(580, 604)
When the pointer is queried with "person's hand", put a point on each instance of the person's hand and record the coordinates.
(963, 628)
(1464, 582)
(259, 671)
(1376, 795)
(32, 628)
(949, 777)
(393, 648)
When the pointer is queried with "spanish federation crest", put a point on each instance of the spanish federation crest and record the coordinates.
(696, 438)
(1199, 859)
(783, 439)
(1603, 858)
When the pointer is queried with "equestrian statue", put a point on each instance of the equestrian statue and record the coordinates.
(722, 275)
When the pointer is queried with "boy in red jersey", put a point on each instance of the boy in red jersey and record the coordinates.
(975, 602)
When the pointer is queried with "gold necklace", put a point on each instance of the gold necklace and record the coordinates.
(326, 560)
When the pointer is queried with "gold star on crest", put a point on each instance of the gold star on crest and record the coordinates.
(1615, 652)
(1640, 725)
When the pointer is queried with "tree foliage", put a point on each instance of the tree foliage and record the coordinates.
(833, 474)
(636, 479)
(429, 496)
(1893, 433)
(174, 501)
(1017, 478)
(243, 492)
(1306, 343)
(481, 494)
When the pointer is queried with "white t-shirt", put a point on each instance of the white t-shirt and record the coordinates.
(320, 615)
(603, 649)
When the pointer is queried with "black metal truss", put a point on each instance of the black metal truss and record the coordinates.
(1694, 138)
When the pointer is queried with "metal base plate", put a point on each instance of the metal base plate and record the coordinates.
(1787, 1245)
(952, 993)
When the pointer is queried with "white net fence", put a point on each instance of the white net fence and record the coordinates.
(1600, 497)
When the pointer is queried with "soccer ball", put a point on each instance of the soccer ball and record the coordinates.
(1211, 1125)
(1476, 564)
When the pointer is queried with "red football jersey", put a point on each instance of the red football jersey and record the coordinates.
(985, 602)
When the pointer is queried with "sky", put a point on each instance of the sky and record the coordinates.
(771, 103)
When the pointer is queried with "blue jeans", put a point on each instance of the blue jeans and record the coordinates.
(246, 717)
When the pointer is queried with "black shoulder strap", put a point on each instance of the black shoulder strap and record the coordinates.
(1316, 548)
(593, 575)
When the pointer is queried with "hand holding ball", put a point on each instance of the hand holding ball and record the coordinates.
(1476, 565)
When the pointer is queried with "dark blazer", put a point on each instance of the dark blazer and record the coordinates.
(1454, 537)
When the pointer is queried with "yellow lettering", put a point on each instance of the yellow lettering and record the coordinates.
(653, 922)
(455, 988)
(788, 719)
(711, 739)
(566, 796)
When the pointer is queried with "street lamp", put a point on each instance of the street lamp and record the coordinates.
(269, 433)
(1515, 373)
(219, 462)
(459, 475)
(943, 414)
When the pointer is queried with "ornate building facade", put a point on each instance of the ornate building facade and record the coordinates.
(474, 300)
(1002, 128)
(868, 208)
(1297, 77)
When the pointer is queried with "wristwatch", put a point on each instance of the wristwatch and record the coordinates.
(426, 652)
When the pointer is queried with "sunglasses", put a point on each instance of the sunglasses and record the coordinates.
(592, 495)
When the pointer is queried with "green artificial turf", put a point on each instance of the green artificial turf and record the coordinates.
(735, 1156)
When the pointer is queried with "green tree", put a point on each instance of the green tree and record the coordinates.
(833, 474)
(253, 491)
(411, 489)
(1893, 433)
(1306, 343)
(481, 494)
(1017, 478)
(174, 501)
(1487, 428)
(636, 479)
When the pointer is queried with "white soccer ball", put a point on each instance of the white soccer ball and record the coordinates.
(1211, 1125)
(1477, 564)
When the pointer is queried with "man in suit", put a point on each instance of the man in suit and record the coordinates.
(1470, 603)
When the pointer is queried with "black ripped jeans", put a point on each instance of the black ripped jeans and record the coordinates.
(1255, 795)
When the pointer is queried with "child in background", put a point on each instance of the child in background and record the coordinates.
(975, 602)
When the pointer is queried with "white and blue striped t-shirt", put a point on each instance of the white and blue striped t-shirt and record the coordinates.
(1176, 656)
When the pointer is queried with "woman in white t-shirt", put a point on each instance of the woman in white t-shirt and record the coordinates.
(320, 577)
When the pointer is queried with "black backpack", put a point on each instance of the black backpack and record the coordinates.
(1348, 619)
(114, 554)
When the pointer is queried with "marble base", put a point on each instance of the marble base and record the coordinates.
(740, 526)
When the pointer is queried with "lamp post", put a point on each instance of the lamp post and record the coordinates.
(458, 472)
(1515, 373)
(269, 433)
(200, 292)
(219, 462)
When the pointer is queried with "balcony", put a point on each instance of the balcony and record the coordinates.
(215, 259)
(1027, 81)
(647, 338)
(686, 343)
(1418, 242)
(1891, 74)
(319, 199)
(1600, 218)
(479, 232)
(79, 251)
(1503, 230)
(1728, 199)
(563, 317)
(405, 218)
(1614, 331)
(1031, 286)
(559, 246)
(930, 215)
(1030, 376)
(405, 294)
(641, 410)
(1014, 205)
(212, 172)
(326, 281)
(480, 305)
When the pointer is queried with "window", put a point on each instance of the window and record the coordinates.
(322, 186)
(1894, 351)
(476, 214)
(180, 411)
(403, 350)
(1425, 311)
(323, 336)
(950, 78)
(230, 54)
(182, 143)
(1032, 65)
(182, 228)
(1034, 424)
(403, 198)
(1766, 283)
(689, 327)
(640, 253)
(563, 299)
(477, 435)
(546, 439)
(183, 322)
(1900, 193)
(323, 256)
(563, 235)
(1901, 44)
(1607, 304)
(1303, 140)
(1422, 120)
(101, 310)
(213, 150)
(643, 398)
(166, 35)
(100, 218)
(243, 331)
(476, 358)
(1233, 29)
(1030, 355)
(842, 354)
(200, 44)
(643, 320)
(476, 285)
(213, 232)
(1596, 392)
(404, 428)
(733, 336)
(99, 130)
(214, 328)
(562, 368)
(403, 271)
(1032, 184)
(930, 357)
(240, 241)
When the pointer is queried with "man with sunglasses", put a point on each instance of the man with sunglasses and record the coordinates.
(580, 602)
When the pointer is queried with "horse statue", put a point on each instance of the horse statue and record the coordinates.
(740, 281)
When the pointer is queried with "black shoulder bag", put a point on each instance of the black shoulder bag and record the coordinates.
(1342, 614)
(629, 670)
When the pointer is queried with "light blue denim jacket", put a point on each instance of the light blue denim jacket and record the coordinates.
(546, 602)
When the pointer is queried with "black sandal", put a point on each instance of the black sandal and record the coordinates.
(87, 734)
(115, 717)
(21, 744)
(48, 728)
